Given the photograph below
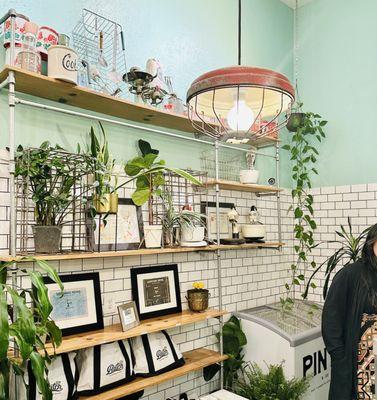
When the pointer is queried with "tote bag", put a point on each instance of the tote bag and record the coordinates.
(155, 353)
(104, 367)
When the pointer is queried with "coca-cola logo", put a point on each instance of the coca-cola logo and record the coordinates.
(112, 368)
(57, 386)
(69, 62)
(162, 353)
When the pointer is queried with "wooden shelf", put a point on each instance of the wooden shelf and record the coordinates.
(195, 360)
(114, 332)
(140, 252)
(78, 96)
(243, 187)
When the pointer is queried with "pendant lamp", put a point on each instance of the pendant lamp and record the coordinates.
(238, 104)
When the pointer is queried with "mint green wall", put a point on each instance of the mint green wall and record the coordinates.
(337, 78)
(188, 37)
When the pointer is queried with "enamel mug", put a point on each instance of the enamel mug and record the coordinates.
(62, 64)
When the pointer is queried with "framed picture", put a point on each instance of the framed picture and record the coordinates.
(209, 209)
(79, 309)
(122, 231)
(155, 290)
(128, 315)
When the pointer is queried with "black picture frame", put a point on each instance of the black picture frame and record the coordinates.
(97, 238)
(95, 279)
(204, 209)
(137, 275)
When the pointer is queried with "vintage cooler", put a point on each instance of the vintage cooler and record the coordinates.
(294, 338)
(222, 395)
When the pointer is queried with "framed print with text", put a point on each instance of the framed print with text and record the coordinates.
(79, 308)
(156, 291)
(128, 315)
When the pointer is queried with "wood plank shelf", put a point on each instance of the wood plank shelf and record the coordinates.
(242, 187)
(82, 97)
(195, 360)
(140, 252)
(114, 332)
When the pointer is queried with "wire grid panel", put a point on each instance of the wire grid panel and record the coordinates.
(183, 193)
(86, 41)
(74, 232)
(230, 165)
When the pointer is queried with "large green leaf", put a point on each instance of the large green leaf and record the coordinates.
(141, 196)
(4, 379)
(43, 303)
(185, 175)
(4, 324)
(146, 148)
(54, 333)
(38, 367)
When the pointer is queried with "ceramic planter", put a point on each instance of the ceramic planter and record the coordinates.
(114, 200)
(249, 176)
(295, 121)
(102, 203)
(46, 38)
(198, 299)
(47, 239)
(62, 64)
(153, 236)
(192, 234)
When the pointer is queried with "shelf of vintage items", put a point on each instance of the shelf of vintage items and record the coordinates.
(141, 252)
(114, 332)
(242, 187)
(195, 360)
(82, 97)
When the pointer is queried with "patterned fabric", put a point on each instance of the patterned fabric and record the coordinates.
(365, 371)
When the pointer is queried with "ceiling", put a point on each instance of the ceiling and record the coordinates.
(292, 3)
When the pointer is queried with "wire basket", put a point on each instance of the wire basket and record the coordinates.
(86, 37)
(229, 165)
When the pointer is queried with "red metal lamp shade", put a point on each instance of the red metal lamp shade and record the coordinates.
(268, 94)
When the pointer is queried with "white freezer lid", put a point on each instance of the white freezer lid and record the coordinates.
(222, 395)
(296, 326)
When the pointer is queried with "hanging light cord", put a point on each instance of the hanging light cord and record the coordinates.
(296, 50)
(239, 31)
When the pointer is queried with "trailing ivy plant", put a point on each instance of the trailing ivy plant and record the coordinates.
(303, 154)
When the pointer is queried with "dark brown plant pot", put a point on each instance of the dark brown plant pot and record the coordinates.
(197, 299)
(47, 239)
(295, 121)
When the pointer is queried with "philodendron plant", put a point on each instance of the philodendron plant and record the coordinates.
(24, 328)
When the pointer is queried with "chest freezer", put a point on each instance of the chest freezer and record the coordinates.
(294, 338)
(222, 395)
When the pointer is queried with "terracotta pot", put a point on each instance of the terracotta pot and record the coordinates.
(114, 203)
(47, 239)
(102, 203)
(197, 299)
(295, 121)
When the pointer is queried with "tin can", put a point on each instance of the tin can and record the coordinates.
(62, 63)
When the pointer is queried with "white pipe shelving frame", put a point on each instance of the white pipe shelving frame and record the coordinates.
(14, 101)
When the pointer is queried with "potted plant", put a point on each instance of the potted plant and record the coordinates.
(189, 224)
(296, 119)
(234, 340)
(198, 297)
(101, 165)
(49, 174)
(148, 172)
(254, 384)
(29, 329)
(250, 175)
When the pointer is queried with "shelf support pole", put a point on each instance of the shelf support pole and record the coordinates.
(277, 162)
(218, 255)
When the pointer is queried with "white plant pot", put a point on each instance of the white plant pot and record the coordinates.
(62, 64)
(249, 176)
(192, 234)
(253, 231)
(153, 236)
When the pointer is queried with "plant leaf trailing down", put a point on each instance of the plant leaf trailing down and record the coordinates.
(30, 329)
(303, 155)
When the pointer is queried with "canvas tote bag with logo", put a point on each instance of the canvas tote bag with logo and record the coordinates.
(62, 375)
(104, 367)
(155, 353)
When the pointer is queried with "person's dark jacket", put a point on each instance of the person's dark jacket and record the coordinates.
(341, 323)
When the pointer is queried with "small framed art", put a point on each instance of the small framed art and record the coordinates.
(156, 291)
(121, 231)
(128, 316)
(79, 308)
(209, 209)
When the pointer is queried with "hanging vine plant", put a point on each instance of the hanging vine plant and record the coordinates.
(307, 130)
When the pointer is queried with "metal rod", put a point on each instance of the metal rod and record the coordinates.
(218, 254)
(277, 147)
(130, 125)
(4, 83)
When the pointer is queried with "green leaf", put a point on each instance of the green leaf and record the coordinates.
(142, 182)
(54, 333)
(39, 371)
(146, 148)
(149, 159)
(185, 175)
(141, 196)
(4, 324)
(298, 213)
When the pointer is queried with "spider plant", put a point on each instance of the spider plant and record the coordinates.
(349, 251)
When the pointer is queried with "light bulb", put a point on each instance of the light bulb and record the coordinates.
(240, 116)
